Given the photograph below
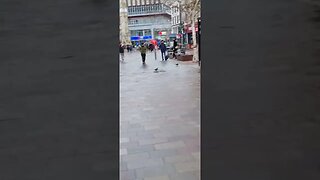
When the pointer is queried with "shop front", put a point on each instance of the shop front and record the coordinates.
(188, 33)
(161, 34)
(137, 40)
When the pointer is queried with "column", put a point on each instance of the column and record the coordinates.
(152, 33)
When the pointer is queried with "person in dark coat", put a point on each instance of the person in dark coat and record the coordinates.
(121, 51)
(175, 46)
(151, 47)
(163, 49)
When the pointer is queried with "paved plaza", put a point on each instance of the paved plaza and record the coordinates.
(159, 119)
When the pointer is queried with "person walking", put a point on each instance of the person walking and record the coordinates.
(163, 49)
(121, 50)
(143, 51)
(151, 47)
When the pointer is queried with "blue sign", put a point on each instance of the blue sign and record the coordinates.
(135, 38)
(147, 37)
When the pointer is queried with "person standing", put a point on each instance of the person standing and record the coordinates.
(175, 46)
(121, 50)
(143, 51)
(163, 49)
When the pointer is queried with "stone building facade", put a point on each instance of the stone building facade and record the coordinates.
(148, 19)
(176, 18)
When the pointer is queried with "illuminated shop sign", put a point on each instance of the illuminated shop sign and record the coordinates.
(137, 38)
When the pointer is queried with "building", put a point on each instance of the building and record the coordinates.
(177, 22)
(175, 18)
(187, 25)
(148, 19)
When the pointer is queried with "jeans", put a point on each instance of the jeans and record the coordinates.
(163, 55)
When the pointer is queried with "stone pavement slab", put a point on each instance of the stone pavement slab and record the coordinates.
(159, 119)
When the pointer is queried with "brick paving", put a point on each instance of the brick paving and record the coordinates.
(159, 119)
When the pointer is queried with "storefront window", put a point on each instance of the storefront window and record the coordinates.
(147, 32)
(140, 33)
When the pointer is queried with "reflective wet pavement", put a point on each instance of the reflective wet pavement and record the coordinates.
(159, 119)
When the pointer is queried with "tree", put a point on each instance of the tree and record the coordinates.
(191, 9)
(123, 25)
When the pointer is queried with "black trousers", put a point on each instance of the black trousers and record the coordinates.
(143, 57)
(174, 53)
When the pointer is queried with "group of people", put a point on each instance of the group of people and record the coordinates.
(122, 48)
(144, 48)
(129, 48)
(162, 47)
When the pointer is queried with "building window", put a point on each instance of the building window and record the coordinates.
(147, 32)
(137, 33)
(133, 33)
(140, 32)
(133, 21)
